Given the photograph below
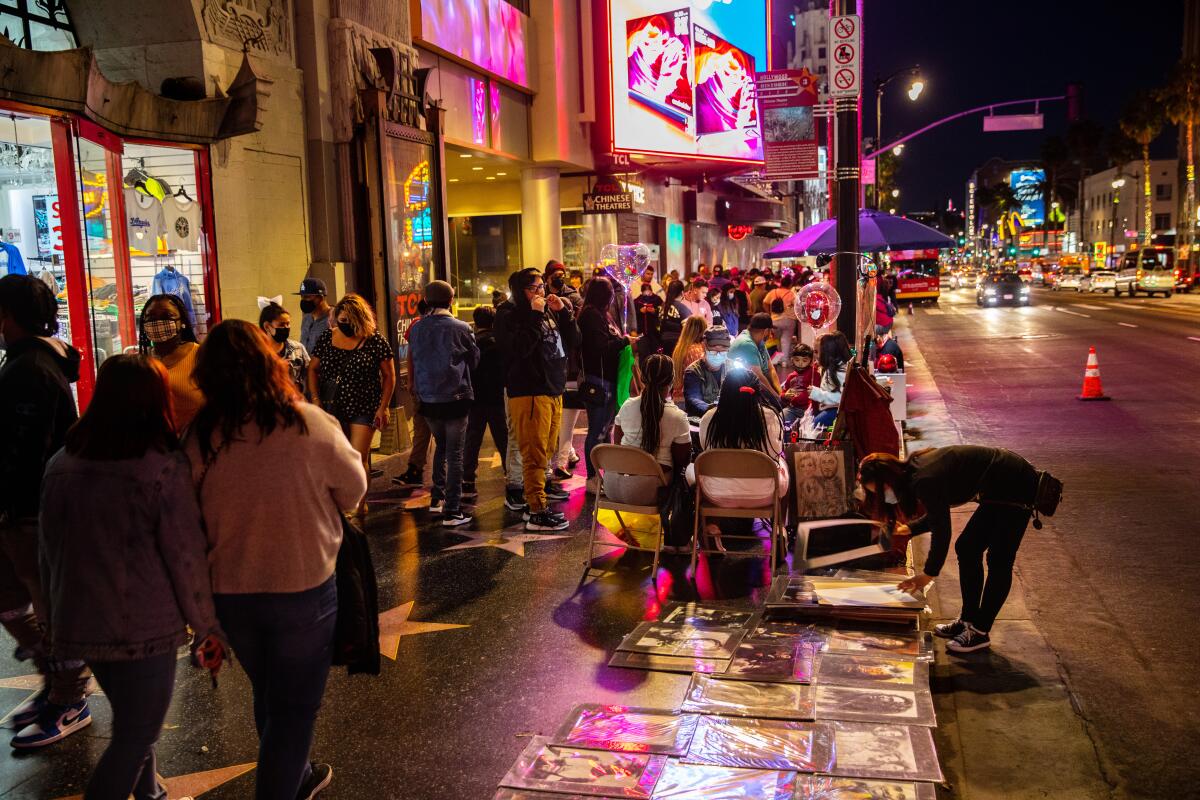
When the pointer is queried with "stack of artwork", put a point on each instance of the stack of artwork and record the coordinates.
(846, 595)
(777, 709)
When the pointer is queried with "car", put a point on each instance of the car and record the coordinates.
(1100, 279)
(1026, 273)
(1002, 288)
(1148, 269)
(1068, 278)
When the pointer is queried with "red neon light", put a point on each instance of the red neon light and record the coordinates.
(739, 232)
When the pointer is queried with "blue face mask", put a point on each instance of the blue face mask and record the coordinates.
(715, 358)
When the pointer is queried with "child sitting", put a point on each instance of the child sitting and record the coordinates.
(797, 384)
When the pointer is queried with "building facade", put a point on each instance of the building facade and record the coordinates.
(1114, 207)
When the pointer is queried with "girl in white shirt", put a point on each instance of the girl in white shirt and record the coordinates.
(651, 423)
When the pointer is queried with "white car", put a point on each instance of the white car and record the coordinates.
(1068, 278)
(1099, 280)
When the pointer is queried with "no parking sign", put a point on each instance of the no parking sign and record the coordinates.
(845, 34)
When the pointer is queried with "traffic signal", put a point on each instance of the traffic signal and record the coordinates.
(1012, 249)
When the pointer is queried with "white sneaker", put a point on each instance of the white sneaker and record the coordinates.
(454, 519)
(970, 640)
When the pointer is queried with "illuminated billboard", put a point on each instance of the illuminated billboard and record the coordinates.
(682, 76)
(489, 34)
(1027, 186)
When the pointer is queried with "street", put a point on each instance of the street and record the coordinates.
(1113, 579)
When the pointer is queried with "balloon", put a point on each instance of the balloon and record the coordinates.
(818, 304)
(625, 262)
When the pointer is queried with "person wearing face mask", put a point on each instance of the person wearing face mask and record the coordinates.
(921, 491)
(316, 310)
(557, 284)
(276, 323)
(726, 308)
(702, 380)
(166, 334)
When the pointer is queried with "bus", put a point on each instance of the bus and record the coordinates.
(917, 274)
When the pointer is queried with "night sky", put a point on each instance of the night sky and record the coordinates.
(970, 56)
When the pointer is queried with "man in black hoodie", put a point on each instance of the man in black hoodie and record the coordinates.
(36, 409)
(535, 333)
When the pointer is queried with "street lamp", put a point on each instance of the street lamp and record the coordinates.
(898, 149)
(895, 192)
(916, 85)
(1117, 183)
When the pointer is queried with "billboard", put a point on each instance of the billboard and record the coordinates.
(489, 34)
(786, 99)
(682, 74)
(1027, 186)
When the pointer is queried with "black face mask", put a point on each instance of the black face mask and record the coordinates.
(281, 334)
(347, 329)
(308, 306)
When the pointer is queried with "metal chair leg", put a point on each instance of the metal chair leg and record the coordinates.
(587, 560)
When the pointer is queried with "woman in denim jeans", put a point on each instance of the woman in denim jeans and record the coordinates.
(600, 348)
(273, 476)
(124, 557)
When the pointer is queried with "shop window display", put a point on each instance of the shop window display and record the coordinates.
(484, 251)
(411, 204)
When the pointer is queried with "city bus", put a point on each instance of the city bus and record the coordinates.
(917, 274)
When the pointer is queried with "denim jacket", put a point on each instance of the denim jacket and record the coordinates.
(443, 353)
(123, 557)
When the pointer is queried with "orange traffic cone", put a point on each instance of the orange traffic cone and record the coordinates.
(1091, 379)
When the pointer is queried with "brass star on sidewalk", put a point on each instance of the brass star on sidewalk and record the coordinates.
(512, 542)
(395, 623)
(196, 783)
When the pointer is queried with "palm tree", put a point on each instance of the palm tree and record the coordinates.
(1001, 199)
(1181, 100)
(1143, 121)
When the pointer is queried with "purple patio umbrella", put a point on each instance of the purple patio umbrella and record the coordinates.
(876, 231)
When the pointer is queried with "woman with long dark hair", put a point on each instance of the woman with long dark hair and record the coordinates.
(652, 423)
(273, 475)
(921, 491)
(600, 349)
(833, 354)
(165, 331)
(118, 502)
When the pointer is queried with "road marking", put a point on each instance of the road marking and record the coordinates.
(1094, 308)
(1194, 338)
(1072, 313)
(934, 311)
(1127, 324)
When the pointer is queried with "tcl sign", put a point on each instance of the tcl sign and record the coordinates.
(739, 232)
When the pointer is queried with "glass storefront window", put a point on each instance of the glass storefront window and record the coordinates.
(411, 203)
(108, 304)
(484, 251)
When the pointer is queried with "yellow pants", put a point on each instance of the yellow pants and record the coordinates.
(535, 422)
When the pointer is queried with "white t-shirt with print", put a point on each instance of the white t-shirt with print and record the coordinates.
(143, 221)
(673, 429)
(182, 223)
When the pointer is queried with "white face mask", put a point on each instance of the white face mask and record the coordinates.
(889, 496)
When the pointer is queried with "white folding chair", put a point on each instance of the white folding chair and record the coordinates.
(631, 461)
(805, 529)
(739, 464)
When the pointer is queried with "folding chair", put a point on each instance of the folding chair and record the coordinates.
(741, 464)
(804, 529)
(625, 460)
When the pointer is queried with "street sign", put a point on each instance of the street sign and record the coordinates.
(845, 36)
(868, 172)
(1012, 122)
(607, 202)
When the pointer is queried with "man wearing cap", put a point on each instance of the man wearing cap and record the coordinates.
(443, 353)
(757, 292)
(316, 311)
(749, 350)
(702, 380)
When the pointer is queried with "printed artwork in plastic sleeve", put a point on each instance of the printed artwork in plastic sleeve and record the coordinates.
(846, 669)
(626, 729)
(762, 744)
(908, 644)
(548, 768)
(682, 640)
(681, 781)
(789, 661)
(650, 661)
(820, 787)
(704, 616)
(710, 695)
(874, 704)
(888, 752)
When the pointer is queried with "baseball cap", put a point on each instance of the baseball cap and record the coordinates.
(716, 336)
(760, 281)
(312, 286)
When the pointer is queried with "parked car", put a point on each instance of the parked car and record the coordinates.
(1100, 279)
(1148, 269)
(1003, 288)
(1068, 278)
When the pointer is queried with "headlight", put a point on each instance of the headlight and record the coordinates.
(1024, 290)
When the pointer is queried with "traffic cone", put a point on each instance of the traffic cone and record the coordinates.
(1091, 379)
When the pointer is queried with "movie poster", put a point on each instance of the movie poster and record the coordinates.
(660, 74)
(724, 86)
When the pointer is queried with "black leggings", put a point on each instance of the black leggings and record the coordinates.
(996, 529)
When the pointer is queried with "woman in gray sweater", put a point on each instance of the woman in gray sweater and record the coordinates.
(124, 564)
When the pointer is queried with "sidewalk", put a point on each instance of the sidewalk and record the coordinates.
(1007, 726)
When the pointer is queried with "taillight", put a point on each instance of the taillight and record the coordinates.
(1139, 273)
(1178, 272)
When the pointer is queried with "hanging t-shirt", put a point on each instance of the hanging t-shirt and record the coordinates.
(171, 281)
(12, 261)
(143, 221)
(182, 220)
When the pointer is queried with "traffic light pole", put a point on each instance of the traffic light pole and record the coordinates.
(848, 173)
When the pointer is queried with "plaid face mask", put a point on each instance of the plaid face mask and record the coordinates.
(161, 330)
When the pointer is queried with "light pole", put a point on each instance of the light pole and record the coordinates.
(1117, 183)
(916, 85)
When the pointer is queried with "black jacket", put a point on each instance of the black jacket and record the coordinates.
(600, 346)
(36, 409)
(535, 347)
(951, 476)
(356, 634)
(487, 378)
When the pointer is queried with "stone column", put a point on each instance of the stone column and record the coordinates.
(541, 217)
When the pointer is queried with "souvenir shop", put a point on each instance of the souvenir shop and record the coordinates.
(106, 222)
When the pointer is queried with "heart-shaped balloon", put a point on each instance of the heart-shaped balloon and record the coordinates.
(818, 304)
(625, 262)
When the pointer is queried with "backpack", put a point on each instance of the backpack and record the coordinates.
(777, 305)
(1046, 497)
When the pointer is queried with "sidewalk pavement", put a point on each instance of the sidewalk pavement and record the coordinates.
(1007, 726)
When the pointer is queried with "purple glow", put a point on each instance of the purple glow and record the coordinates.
(479, 116)
(487, 33)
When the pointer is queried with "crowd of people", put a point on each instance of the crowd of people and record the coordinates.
(170, 538)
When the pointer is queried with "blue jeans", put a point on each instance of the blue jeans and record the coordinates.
(285, 644)
(449, 437)
(825, 418)
(139, 693)
(600, 422)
